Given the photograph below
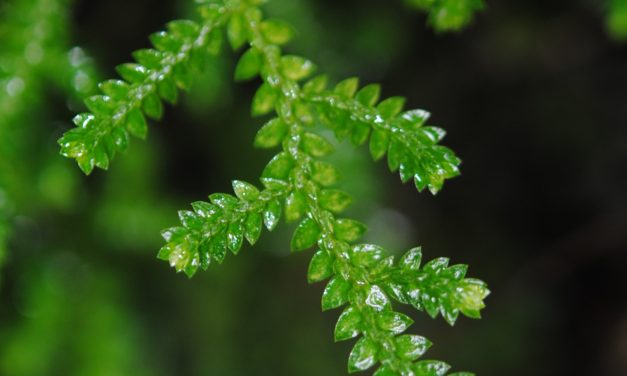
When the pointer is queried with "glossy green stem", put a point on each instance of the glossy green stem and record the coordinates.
(290, 94)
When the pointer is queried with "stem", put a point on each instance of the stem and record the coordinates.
(290, 94)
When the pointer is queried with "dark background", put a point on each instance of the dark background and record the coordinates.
(534, 98)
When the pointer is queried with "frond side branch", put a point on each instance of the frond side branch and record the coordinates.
(158, 75)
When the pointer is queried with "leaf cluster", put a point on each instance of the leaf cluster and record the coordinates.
(298, 183)
(157, 75)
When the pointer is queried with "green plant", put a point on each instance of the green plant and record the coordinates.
(298, 182)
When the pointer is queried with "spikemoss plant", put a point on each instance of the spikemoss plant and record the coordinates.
(298, 183)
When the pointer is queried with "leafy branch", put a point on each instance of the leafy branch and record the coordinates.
(157, 76)
(299, 183)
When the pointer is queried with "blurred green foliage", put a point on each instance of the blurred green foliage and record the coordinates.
(448, 15)
(617, 18)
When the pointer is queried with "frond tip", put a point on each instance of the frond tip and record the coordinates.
(157, 75)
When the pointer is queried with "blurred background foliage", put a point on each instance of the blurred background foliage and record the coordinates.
(533, 95)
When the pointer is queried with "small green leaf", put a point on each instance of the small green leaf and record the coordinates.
(216, 41)
(363, 355)
(136, 123)
(367, 255)
(369, 95)
(277, 32)
(248, 66)
(391, 107)
(167, 90)
(116, 89)
(396, 154)
(235, 237)
(151, 59)
(320, 267)
(152, 106)
(297, 68)
(334, 200)
(272, 214)
(348, 325)
(436, 265)
(224, 201)
(347, 88)
(252, 227)
(279, 167)
(204, 257)
(324, 173)
(411, 347)
(204, 209)
(192, 267)
(120, 138)
(457, 272)
(271, 134)
(218, 247)
(264, 100)
(190, 219)
(377, 299)
(379, 142)
(100, 105)
(336, 293)
(245, 191)
(413, 119)
(183, 29)
(100, 157)
(295, 206)
(393, 322)
(411, 260)
(182, 76)
(316, 85)
(349, 230)
(306, 235)
(174, 234)
(133, 73)
(164, 41)
(359, 133)
(431, 368)
(236, 31)
(315, 145)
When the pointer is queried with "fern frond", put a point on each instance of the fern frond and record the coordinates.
(221, 225)
(412, 148)
(156, 76)
(364, 278)
(448, 15)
